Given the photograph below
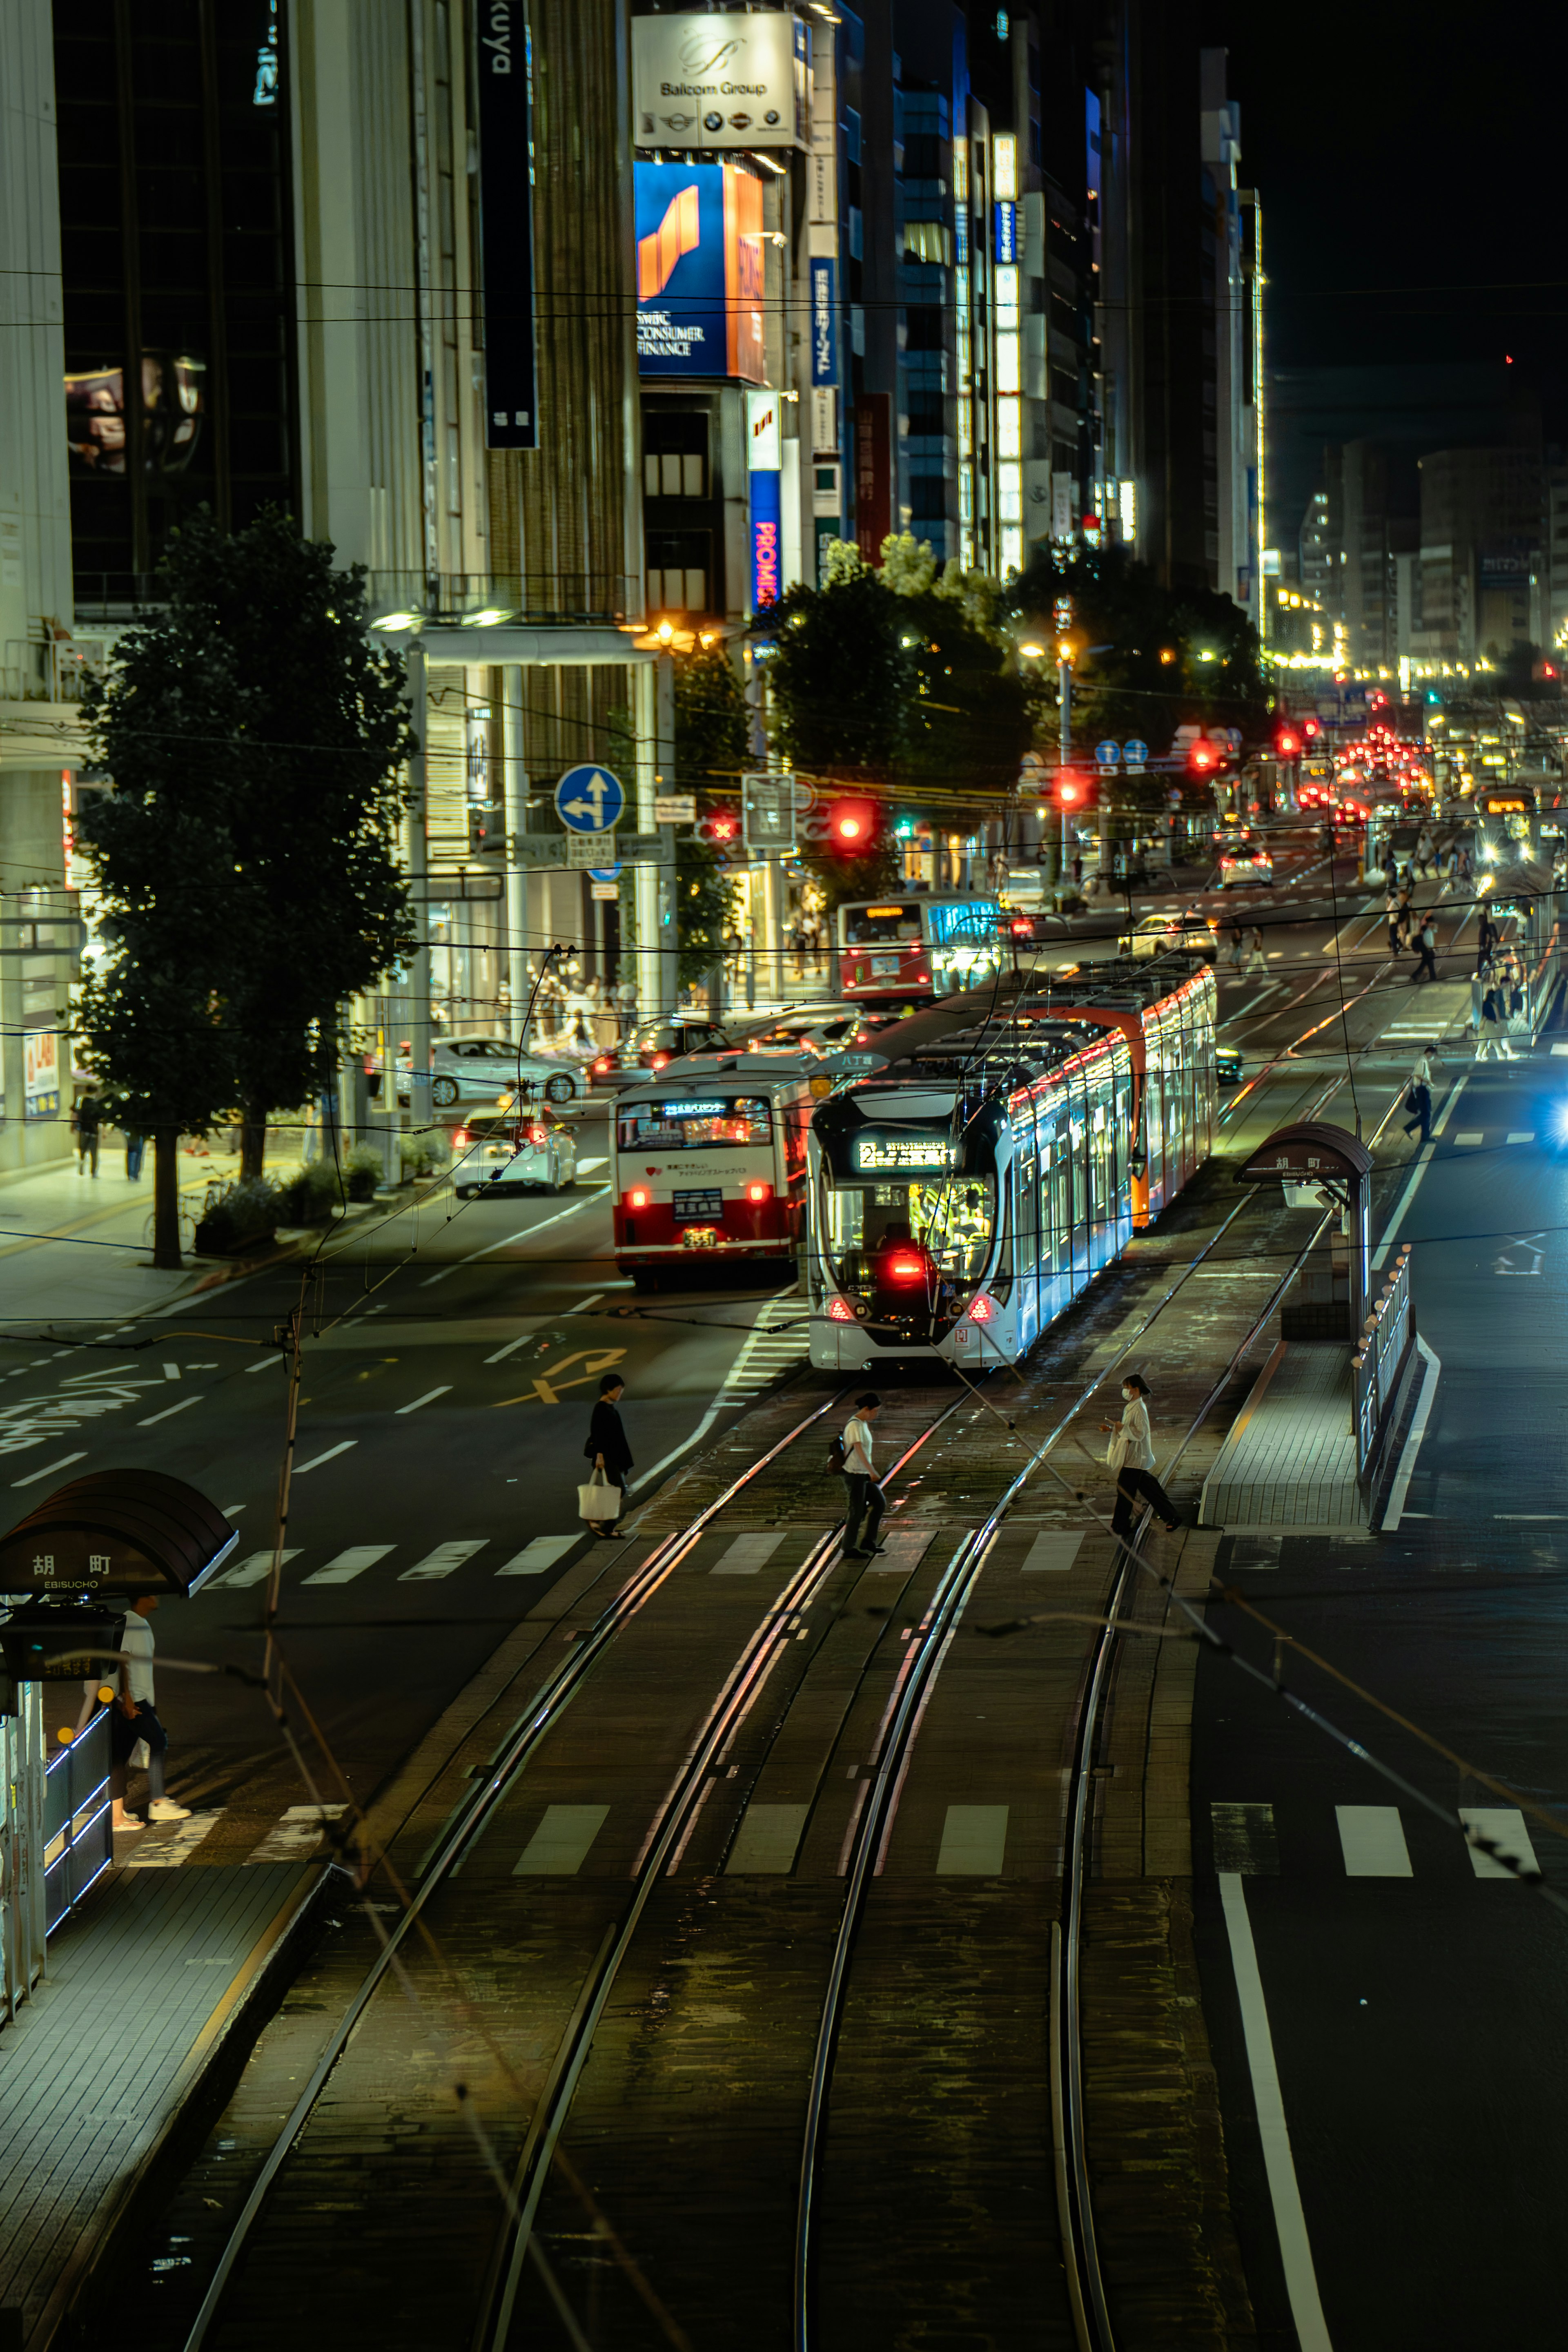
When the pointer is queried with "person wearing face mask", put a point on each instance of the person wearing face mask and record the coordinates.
(1130, 1455)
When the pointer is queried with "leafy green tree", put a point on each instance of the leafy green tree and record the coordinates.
(246, 852)
(713, 726)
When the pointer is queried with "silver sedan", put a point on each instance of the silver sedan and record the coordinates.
(537, 1155)
(486, 1070)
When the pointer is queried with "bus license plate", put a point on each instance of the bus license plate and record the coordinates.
(700, 1238)
(884, 967)
(696, 1208)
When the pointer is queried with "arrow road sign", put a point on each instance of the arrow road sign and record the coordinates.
(1135, 752)
(589, 800)
(1107, 753)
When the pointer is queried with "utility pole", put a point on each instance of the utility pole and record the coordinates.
(515, 799)
(419, 1027)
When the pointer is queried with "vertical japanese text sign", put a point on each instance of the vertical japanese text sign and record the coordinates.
(505, 78)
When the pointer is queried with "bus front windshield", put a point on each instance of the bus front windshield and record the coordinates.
(947, 1223)
(875, 926)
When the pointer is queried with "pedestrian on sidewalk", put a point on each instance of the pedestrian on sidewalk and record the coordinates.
(607, 1448)
(86, 1119)
(1464, 870)
(135, 1151)
(866, 1496)
(1486, 940)
(1256, 958)
(136, 1719)
(1130, 1456)
(1424, 1068)
(1426, 952)
(1490, 1044)
(1418, 1102)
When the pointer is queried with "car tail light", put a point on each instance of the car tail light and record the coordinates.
(657, 1061)
(637, 1198)
(605, 1062)
(759, 1192)
(982, 1310)
(459, 1138)
(536, 1133)
(840, 1311)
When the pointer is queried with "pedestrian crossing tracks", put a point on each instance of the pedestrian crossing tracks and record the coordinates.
(428, 1567)
(293, 1837)
(1370, 1840)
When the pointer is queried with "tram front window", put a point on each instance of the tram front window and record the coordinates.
(911, 1248)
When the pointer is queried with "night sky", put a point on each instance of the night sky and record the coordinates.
(1411, 163)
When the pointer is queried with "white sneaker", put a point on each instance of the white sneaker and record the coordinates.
(129, 1822)
(165, 1809)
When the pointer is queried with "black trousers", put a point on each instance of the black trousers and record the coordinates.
(1139, 1485)
(124, 1731)
(865, 1502)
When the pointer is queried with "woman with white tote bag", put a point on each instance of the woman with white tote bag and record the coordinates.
(598, 1501)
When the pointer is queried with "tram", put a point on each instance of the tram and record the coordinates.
(921, 947)
(1507, 823)
(962, 1195)
(709, 1161)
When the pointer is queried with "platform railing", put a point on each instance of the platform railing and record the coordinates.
(1377, 1363)
(79, 1838)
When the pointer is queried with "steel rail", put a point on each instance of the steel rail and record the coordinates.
(542, 1712)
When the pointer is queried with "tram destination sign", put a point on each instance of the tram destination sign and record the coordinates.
(892, 1155)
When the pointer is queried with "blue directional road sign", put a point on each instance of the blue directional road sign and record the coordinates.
(1107, 753)
(604, 873)
(589, 800)
(1136, 753)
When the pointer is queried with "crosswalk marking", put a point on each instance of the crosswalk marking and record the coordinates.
(746, 1555)
(559, 1847)
(155, 1853)
(1054, 1552)
(1504, 1824)
(442, 1560)
(1372, 1840)
(351, 1563)
(1471, 1135)
(1522, 1134)
(295, 1835)
(974, 1839)
(428, 1398)
(904, 1550)
(766, 1838)
(330, 1455)
(255, 1569)
(536, 1557)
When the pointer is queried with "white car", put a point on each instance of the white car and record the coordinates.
(486, 1070)
(1158, 934)
(1245, 861)
(532, 1155)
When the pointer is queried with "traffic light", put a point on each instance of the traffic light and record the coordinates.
(719, 829)
(1204, 757)
(1287, 740)
(1312, 730)
(1069, 790)
(852, 826)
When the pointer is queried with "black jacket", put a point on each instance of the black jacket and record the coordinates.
(606, 1436)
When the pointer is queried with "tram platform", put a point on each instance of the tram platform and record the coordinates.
(1288, 1462)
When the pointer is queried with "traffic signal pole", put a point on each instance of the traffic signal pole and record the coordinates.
(1065, 746)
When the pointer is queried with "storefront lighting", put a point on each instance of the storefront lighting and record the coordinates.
(1009, 430)
(1008, 364)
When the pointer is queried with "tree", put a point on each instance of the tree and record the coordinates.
(246, 852)
(713, 729)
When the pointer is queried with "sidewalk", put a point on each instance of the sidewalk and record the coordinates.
(143, 1988)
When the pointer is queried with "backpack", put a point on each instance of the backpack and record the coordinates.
(836, 1454)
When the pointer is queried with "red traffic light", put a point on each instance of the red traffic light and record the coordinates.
(720, 827)
(1069, 789)
(1203, 757)
(852, 826)
(1287, 743)
(1312, 729)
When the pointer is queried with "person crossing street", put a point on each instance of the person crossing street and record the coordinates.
(866, 1496)
(1130, 1457)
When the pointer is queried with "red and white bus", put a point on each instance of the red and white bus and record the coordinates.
(918, 947)
(710, 1162)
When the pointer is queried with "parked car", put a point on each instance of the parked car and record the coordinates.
(832, 1028)
(653, 1043)
(504, 1155)
(487, 1069)
(1228, 1066)
(1158, 934)
(1244, 861)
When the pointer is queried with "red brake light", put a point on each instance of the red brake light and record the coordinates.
(538, 1133)
(759, 1192)
(840, 1311)
(981, 1309)
(906, 1268)
(637, 1199)
(459, 1138)
(658, 1061)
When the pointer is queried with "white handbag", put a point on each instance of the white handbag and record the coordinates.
(599, 1500)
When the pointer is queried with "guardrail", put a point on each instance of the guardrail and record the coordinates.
(79, 1840)
(1386, 1338)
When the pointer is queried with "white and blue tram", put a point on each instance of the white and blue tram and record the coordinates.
(961, 1196)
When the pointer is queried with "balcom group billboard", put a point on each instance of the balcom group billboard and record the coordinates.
(699, 271)
(721, 81)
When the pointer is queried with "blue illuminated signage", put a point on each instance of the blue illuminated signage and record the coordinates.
(824, 321)
(1005, 228)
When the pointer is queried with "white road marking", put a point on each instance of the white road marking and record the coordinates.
(169, 1412)
(1504, 1824)
(255, 1569)
(441, 1561)
(265, 1364)
(746, 1555)
(171, 1371)
(152, 1852)
(1560, 1049)
(587, 1167)
(330, 1455)
(1522, 1134)
(48, 1469)
(297, 1834)
(428, 1398)
(583, 1305)
(1372, 1839)
(1056, 1551)
(1422, 1416)
(1473, 1135)
(768, 1838)
(974, 1840)
(559, 1847)
(536, 1557)
(1521, 1515)
(527, 1235)
(1423, 1158)
(1289, 2222)
(511, 1348)
(351, 1563)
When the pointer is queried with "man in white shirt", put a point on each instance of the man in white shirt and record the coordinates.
(860, 1477)
(136, 1717)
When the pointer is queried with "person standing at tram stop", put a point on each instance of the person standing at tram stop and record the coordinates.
(135, 1717)
(607, 1448)
(860, 1479)
(1130, 1457)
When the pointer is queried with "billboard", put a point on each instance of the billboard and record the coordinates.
(504, 76)
(824, 320)
(874, 473)
(763, 458)
(721, 81)
(699, 270)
